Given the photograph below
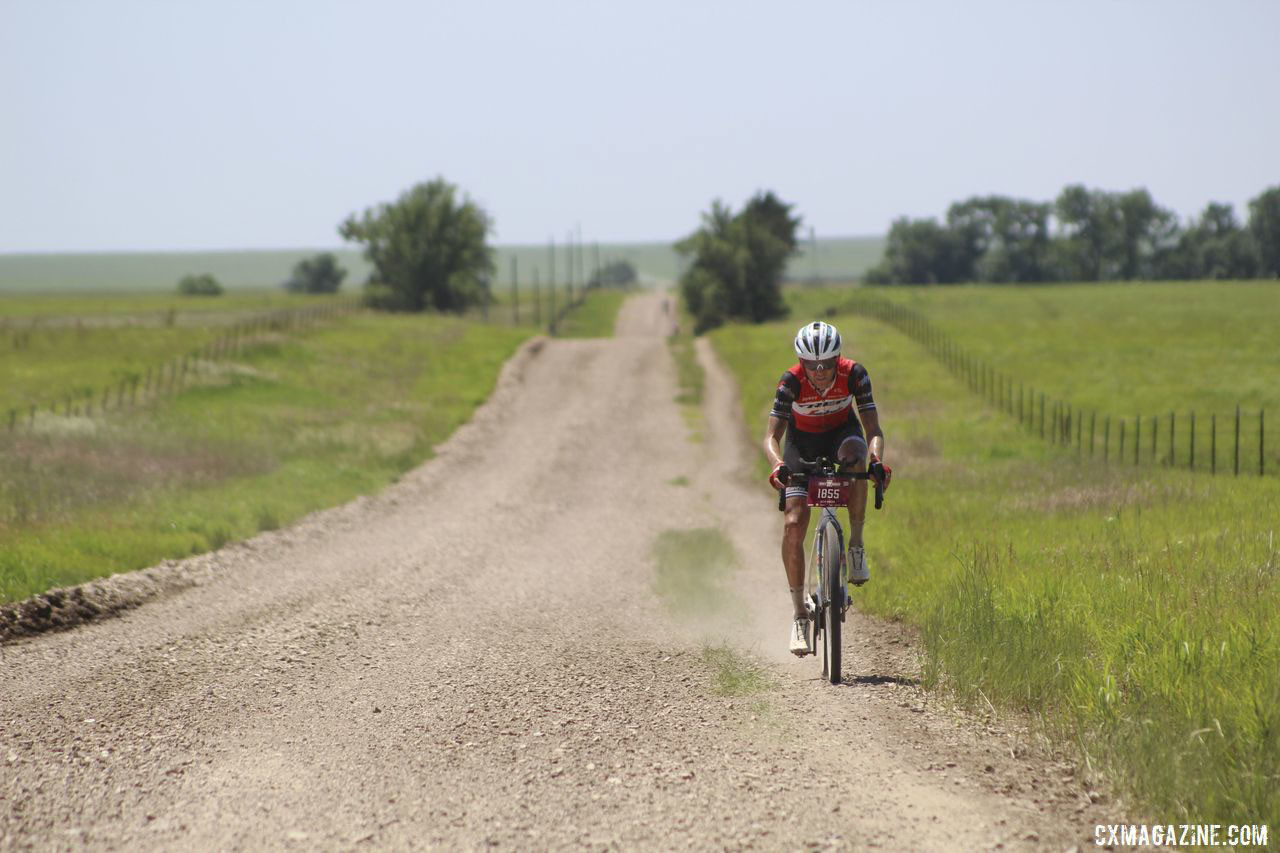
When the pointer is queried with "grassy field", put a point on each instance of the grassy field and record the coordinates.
(158, 272)
(1134, 610)
(296, 423)
(595, 316)
(1123, 351)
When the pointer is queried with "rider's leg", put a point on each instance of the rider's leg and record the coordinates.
(797, 522)
(853, 453)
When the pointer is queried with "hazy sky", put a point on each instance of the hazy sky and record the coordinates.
(198, 125)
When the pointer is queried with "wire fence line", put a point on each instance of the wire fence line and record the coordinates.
(1232, 444)
(180, 372)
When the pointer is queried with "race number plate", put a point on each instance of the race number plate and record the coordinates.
(828, 491)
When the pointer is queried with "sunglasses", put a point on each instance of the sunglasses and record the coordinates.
(816, 366)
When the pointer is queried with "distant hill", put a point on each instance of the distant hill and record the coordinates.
(827, 258)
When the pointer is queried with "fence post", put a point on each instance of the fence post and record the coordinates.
(1106, 439)
(1155, 429)
(1020, 421)
(1191, 454)
(515, 291)
(1172, 460)
(1137, 437)
(1093, 417)
(1079, 435)
(1213, 444)
(1120, 450)
(537, 300)
(1042, 415)
(1236, 467)
(1262, 445)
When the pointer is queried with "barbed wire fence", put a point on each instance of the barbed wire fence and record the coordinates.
(1197, 441)
(180, 372)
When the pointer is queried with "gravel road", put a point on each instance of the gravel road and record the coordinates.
(477, 657)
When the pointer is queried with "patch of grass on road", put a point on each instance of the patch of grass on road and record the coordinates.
(1136, 610)
(689, 375)
(734, 673)
(293, 425)
(596, 316)
(693, 567)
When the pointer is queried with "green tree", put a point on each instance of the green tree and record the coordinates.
(1264, 226)
(1108, 236)
(429, 250)
(318, 274)
(614, 274)
(737, 262)
(1215, 246)
(1002, 239)
(199, 285)
(920, 251)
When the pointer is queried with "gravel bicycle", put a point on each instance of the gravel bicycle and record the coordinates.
(826, 580)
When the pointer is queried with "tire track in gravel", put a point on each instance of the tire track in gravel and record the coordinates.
(476, 657)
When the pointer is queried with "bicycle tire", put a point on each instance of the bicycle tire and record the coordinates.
(833, 593)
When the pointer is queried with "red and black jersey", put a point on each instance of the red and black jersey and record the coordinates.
(810, 410)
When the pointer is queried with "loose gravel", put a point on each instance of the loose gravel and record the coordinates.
(477, 657)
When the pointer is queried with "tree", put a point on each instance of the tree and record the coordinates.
(199, 285)
(614, 274)
(1002, 239)
(921, 251)
(1108, 236)
(1264, 226)
(317, 274)
(738, 261)
(428, 250)
(1214, 246)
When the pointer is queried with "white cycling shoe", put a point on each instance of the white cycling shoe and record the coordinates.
(858, 572)
(800, 637)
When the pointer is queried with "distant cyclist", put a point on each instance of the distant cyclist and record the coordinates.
(822, 404)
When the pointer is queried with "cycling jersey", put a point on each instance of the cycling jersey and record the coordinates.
(807, 409)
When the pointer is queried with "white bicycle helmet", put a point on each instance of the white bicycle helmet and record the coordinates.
(817, 341)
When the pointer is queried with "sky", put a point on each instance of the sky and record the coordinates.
(236, 125)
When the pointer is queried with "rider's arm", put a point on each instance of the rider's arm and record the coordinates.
(773, 440)
(779, 417)
(875, 435)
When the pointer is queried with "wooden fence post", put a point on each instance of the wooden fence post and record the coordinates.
(1262, 445)
(1213, 444)
(1237, 453)
(1120, 449)
(1137, 437)
(1191, 454)
(1106, 439)
(1093, 417)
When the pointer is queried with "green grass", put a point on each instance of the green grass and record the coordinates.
(689, 376)
(158, 272)
(296, 424)
(1120, 351)
(735, 674)
(595, 316)
(693, 568)
(1135, 610)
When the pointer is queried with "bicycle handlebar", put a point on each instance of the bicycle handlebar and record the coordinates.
(824, 468)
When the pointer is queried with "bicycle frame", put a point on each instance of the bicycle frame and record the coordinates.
(827, 576)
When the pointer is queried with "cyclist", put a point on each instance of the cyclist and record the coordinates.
(822, 404)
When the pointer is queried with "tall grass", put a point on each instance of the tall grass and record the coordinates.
(595, 316)
(1135, 610)
(293, 425)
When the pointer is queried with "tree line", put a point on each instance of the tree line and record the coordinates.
(1083, 235)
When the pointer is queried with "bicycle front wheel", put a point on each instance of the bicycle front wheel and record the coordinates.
(832, 596)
